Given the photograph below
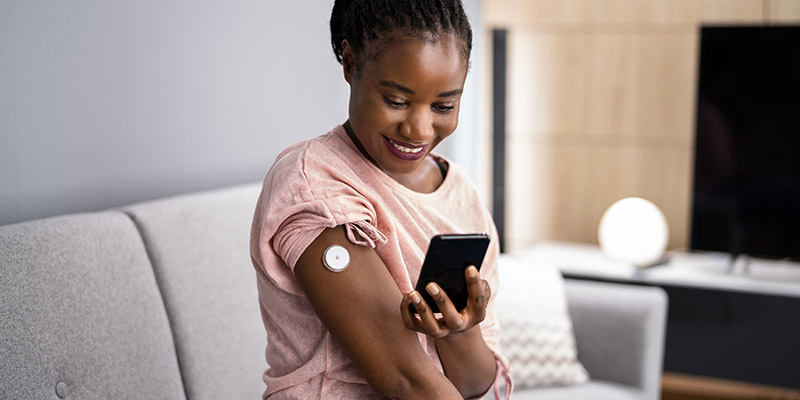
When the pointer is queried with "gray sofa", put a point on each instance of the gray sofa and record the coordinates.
(158, 301)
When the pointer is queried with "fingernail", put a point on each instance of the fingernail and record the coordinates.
(472, 271)
(432, 289)
(415, 298)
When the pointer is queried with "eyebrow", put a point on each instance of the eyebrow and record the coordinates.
(397, 86)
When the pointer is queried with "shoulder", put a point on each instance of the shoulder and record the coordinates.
(311, 159)
(326, 172)
(300, 153)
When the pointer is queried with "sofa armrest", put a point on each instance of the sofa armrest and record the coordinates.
(619, 330)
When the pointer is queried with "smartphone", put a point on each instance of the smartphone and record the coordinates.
(445, 263)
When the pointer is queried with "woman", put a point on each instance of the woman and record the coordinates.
(374, 187)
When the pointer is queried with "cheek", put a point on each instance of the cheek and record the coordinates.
(371, 112)
(447, 124)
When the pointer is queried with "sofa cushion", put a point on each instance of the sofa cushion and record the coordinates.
(536, 329)
(199, 247)
(80, 313)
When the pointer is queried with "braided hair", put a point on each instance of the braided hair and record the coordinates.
(380, 21)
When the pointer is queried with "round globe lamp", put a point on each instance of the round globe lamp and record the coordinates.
(634, 230)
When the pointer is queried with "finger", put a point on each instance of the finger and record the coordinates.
(424, 313)
(426, 322)
(451, 318)
(487, 289)
(429, 323)
(410, 320)
(479, 294)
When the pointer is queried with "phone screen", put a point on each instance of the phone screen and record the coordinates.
(445, 262)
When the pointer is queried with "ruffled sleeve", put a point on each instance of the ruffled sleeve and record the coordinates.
(305, 192)
(364, 234)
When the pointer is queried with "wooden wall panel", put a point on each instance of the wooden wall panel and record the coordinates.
(548, 87)
(602, 13)
(561, 189)
(783, 11)
(611, 102)
(665, 85)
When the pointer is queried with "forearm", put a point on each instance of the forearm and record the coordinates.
(468, 362)
(424, 382)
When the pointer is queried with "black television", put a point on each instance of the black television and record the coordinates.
(746, 187)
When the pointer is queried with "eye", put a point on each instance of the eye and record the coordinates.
(394, 103)
(443, 108)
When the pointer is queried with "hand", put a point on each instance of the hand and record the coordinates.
(451, 321)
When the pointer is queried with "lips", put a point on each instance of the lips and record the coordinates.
(405, 151)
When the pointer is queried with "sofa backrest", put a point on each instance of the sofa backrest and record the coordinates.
(199, 248)
(81, 315)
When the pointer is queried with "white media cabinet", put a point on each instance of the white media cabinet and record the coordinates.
(679, 268)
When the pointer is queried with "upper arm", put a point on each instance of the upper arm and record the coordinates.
(360, 306)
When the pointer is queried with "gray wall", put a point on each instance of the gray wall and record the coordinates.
(105, 103)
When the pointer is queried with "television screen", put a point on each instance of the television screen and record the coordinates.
(746, 194)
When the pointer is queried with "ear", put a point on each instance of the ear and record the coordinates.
(348, 61)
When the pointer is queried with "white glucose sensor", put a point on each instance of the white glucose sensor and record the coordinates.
(336, 258)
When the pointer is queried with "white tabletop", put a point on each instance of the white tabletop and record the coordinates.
(698, 270)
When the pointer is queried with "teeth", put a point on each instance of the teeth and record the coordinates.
(405, 149)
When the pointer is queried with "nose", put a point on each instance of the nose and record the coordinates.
(418, 126)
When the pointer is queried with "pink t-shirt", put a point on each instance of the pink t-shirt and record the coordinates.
(323, 183)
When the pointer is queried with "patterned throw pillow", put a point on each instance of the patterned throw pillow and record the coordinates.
(536, 330)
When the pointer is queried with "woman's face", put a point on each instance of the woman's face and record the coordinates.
(406, 101)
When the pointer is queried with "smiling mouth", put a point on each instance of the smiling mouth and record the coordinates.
(405, 149)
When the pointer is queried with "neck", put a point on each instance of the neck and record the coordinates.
(349, 129)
